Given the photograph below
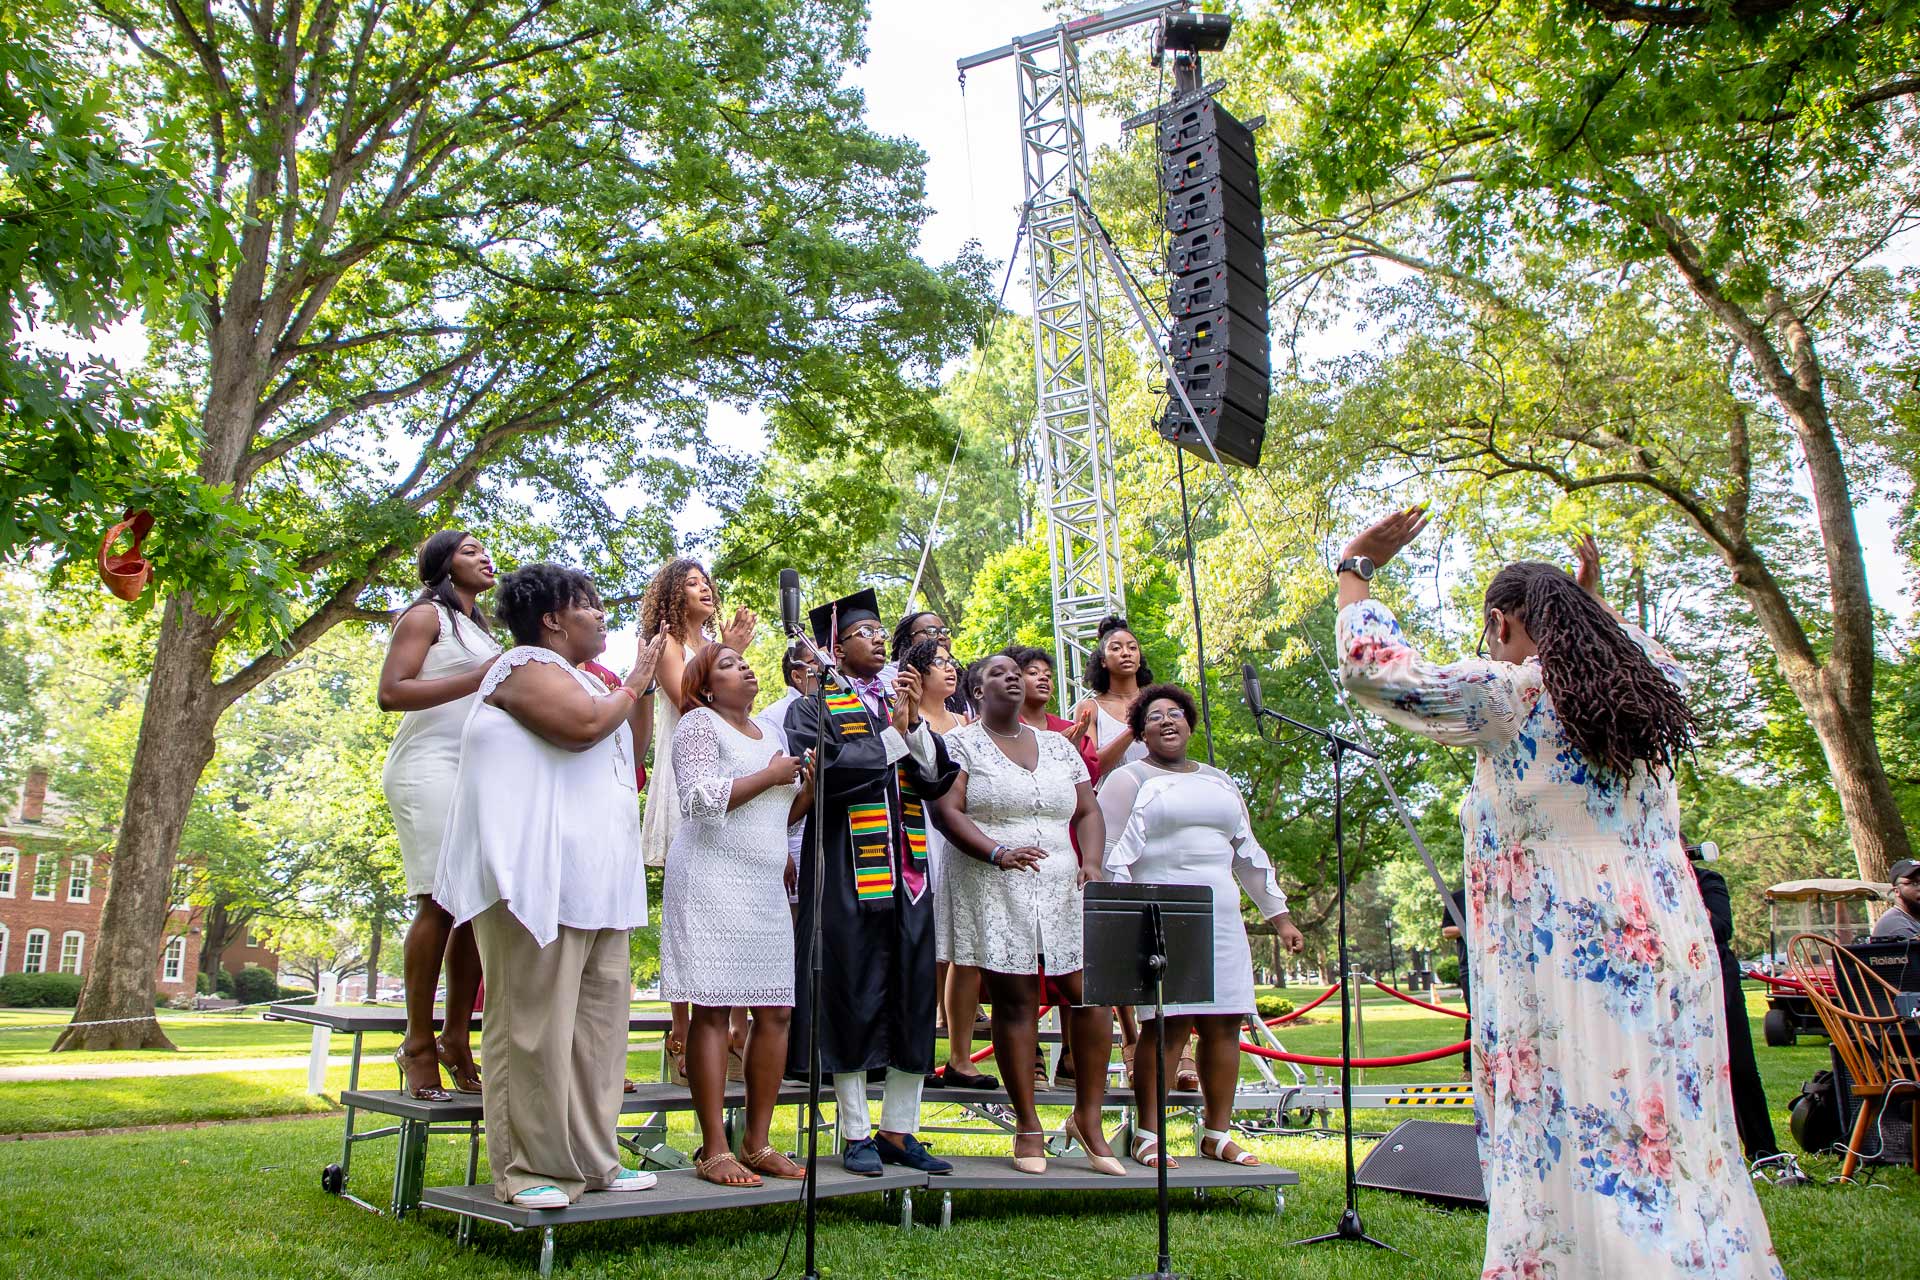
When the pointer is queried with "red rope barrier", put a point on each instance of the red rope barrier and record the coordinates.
(1313, 1004)
(1788, 983)
(1308, 1060)
(1434, 1008)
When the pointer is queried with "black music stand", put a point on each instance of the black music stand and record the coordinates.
(1150, 943)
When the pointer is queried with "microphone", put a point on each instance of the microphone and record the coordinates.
(790, 601)
(1250, 686)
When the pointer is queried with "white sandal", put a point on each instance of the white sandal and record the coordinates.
(1220, 1138)
(1145, 1149)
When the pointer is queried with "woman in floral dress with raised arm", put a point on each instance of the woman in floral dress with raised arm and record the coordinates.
(1600, 1067)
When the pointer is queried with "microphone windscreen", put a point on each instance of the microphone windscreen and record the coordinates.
(1250, 686)
(790, 600)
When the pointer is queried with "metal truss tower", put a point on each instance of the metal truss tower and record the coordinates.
(1069, 356)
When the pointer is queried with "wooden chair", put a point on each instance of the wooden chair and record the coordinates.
(1881, 1050)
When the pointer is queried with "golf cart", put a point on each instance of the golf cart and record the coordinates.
(1843, 910)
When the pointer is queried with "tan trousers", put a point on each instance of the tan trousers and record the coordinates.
(554, 1040)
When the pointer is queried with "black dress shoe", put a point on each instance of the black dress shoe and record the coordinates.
(863, 1158)
(968, 1080)
(912, 1154)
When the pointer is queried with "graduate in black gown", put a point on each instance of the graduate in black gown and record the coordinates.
(877, 990)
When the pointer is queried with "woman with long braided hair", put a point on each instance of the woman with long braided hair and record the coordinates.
(1600, 1066)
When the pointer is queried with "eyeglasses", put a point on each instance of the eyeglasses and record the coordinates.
(938, 633)
(945, 662)
(1161, 717)
(867, 632)
(1486, 629)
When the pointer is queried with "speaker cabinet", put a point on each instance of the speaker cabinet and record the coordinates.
(1430, 1159)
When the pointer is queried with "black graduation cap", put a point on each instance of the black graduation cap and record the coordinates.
(861, 606)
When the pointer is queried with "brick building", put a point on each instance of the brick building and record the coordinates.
(51, 896)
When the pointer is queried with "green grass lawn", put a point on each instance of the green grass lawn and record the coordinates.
(244, 1201)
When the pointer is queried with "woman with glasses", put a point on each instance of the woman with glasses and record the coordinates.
(1172, 820)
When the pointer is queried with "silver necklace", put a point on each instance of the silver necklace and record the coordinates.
(1008, 737)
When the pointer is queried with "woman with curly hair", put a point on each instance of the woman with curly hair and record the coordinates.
(1606, 1124)
(1116, 673)
(680, 603)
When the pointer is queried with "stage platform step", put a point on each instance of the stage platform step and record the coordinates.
(1073, 1173)
(680, 1191)
(466, 1108)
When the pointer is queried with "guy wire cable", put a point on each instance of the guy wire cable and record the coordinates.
(1355, 727)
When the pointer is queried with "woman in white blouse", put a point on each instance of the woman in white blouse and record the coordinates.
(1171, 820)
(726, 938)
(542, 853)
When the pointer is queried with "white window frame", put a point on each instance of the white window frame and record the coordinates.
(9, 869)
(80, 875)
(173, 961)
(27, 962)
(41, 861)
(5, 940)
(78, 940)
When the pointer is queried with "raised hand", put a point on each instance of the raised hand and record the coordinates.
(1382, 540)
(1586, 570)
(738, 634)
(1083, 721)
(906, 699)
(647, 661)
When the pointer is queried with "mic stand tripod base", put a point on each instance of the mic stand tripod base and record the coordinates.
(1350, 1229)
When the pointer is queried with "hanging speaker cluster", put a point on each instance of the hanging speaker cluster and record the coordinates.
(1217, 263)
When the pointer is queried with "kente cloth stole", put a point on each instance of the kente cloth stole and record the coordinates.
(871, 835)
(913, 815)
(849, 714)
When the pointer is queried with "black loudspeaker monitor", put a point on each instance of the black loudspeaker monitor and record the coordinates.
(1214, 202)
(1235, 433)
(1204, 120)
(1219, 333)
(1889, 1136)
(1428, 1158)
(1208, 161)
(1218, 244)
(1211, 289)
(1222, 378)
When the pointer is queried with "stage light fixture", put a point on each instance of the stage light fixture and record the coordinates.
(1195, 32)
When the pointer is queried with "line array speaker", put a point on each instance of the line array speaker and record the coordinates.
(1217, 298)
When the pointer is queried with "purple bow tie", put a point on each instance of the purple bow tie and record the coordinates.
(871, 688)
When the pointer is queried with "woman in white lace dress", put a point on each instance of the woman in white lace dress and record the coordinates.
(726, 936)
(1172, 820)
(440, 651)
(542, 854)
(1013, 884)
(681, 602)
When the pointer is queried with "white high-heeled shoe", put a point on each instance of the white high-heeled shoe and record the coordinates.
(1030, 1164)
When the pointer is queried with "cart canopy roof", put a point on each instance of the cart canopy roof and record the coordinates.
(1825, 890)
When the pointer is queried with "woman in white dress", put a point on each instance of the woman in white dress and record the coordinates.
(1116, 673)
(542, 854)
(681, 603)
(726, 937)
(1606, 1122)
(1171, 820)
(439, 653)
(1014, 885)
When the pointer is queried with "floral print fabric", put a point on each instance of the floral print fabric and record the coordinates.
(1600, 1069)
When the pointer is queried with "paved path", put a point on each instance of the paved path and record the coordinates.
(163, 1067)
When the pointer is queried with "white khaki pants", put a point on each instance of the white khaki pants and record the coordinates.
(554, 1039)
(899, 1103)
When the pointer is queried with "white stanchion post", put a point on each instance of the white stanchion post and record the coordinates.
(322, 1038)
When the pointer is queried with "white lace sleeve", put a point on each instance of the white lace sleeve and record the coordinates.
(1116, 795)
(504, 665)
(699, 768)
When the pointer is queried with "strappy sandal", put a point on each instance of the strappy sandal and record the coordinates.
(1031, 1164)
(713, 1169)
(1146, 1150)
(464, 1072)
(1186, 1076)
(774, 1164)
(736, 1066)
(676, 1051)
(1221, 1140)
(420, 1092)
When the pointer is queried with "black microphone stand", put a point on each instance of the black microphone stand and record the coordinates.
(1350, 1227)
(814, 954)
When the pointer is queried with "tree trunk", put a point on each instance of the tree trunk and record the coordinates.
(1846, 734)
(220, 930)
(378, 926)
(174, 747)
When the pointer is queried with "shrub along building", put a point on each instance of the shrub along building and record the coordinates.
(52, 893)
